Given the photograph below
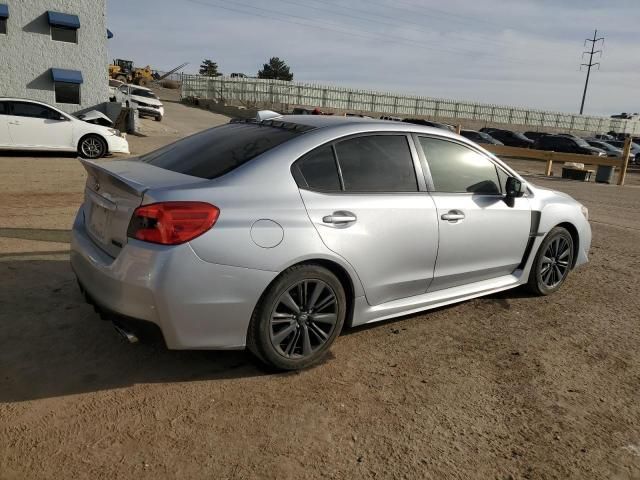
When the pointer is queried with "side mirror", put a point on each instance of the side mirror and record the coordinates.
(514, 188)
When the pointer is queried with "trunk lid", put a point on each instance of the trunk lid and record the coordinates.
(114, 190)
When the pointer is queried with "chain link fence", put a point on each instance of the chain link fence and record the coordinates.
(275, 94)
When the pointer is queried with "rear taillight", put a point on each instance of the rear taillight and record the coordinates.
(172, 223)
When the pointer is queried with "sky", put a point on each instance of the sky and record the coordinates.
(509, 52)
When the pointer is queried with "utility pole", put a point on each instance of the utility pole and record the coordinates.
(591, 53)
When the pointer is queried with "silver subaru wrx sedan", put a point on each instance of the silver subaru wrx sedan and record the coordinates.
(275, 234)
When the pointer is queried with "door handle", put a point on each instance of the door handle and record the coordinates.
(453, 216)
(14, 123)
(340, 218)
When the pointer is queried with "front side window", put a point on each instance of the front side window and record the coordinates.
(33, 110)
(458, 169)
(64, 34)
(3, 26)
(318, 171)
(67, 93)
(377, 163)
(4, 110)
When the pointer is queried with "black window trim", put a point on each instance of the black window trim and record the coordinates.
(429, 179)
(414, 151)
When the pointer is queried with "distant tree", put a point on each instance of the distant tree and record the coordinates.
(275, 69)
(209, 68)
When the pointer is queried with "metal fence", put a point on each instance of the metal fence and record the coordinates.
(253, 91)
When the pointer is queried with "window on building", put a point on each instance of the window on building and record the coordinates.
(64, 26)
(67, 92)
(4, 14)
(64, 34)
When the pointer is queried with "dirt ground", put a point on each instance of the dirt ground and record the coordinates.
(508, 386)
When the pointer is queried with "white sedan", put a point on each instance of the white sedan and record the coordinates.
(141, 98)
(32, 125)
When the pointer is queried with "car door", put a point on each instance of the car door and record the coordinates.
(32, 125)
(483, 234)
(5, 141)
(369, 207)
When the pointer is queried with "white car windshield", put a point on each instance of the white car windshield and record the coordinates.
(144, 93)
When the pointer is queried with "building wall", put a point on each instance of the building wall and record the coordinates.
(27, 52)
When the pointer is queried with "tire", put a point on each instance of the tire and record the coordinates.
(158, 119)
(92, 147)
(552, 263)
(293, 326)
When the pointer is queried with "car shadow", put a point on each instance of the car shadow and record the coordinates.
(53, 344)
(37, 154)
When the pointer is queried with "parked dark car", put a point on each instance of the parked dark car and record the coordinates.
(480, 137)
(429, 123)
(604, 137)
(635, 149)
(535, 135)
(567, 144)
(512, 139)
(609, 149)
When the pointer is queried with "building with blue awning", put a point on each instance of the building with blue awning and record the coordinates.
(54, 51)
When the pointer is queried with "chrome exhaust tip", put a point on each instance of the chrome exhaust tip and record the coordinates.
(127, 335)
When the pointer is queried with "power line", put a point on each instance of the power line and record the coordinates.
(591, 53)
(390, 21)
(305, 22)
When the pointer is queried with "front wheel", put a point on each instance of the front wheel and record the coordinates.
(298, 318)
(552, 263)
(92, 147)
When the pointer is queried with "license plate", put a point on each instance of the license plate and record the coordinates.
(98, 221)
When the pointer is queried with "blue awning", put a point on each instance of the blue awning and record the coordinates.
(66, 76)
(58, 19)
(4, 11)
(109, 34)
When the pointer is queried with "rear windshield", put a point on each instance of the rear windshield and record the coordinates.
(214, 152)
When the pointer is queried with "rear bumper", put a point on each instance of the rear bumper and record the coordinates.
(196, 304)
(117, 144)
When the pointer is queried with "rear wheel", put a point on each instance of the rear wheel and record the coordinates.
(92, 147)
(298, 318)
(552, 263)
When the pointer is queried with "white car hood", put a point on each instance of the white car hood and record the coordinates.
(149, 101)
(95, 115)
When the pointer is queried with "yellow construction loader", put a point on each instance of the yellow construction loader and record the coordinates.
(124, 71)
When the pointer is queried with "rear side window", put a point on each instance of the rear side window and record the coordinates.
(3, 108)
(214, 152)
(377, 163)
(317, 170)
(458, 169)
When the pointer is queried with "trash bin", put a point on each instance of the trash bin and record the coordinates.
(604, 174)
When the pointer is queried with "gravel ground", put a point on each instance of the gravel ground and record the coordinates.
(507, 386)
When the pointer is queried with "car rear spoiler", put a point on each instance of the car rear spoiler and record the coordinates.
(99, 172)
